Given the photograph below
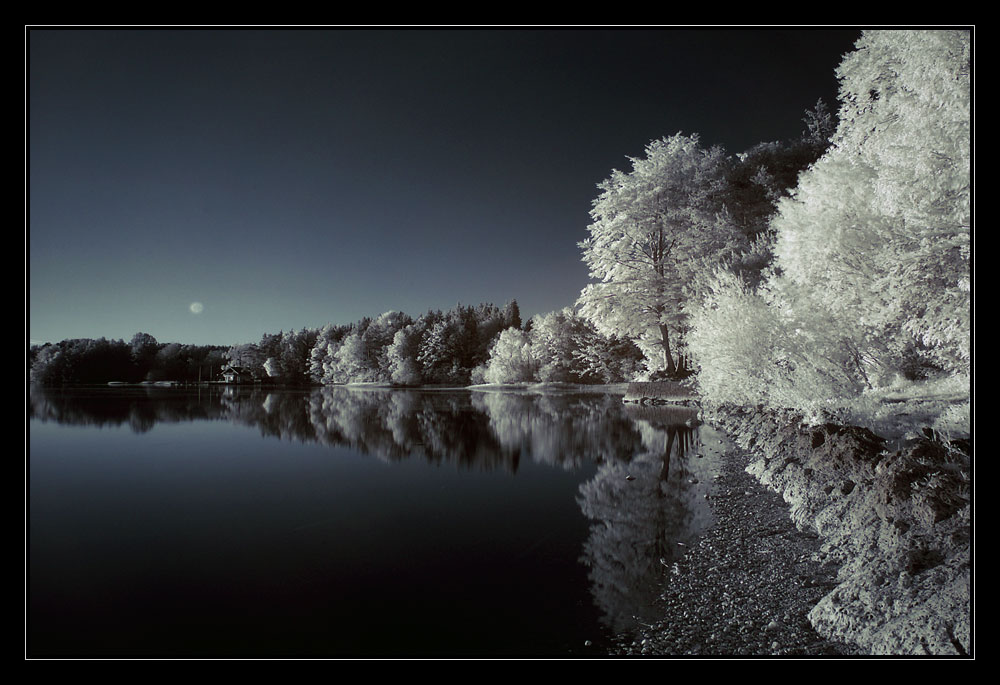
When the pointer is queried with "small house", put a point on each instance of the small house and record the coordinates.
(236, 374)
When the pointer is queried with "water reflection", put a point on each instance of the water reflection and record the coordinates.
(645, 501)
(471, 430)
(139, 407)
(646, 510)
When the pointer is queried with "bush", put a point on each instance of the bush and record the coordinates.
(511, 359)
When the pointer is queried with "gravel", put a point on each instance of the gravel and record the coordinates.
(746, 586)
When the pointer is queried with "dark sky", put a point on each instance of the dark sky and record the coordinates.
(293, 178)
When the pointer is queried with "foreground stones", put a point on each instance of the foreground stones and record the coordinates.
(746, 587)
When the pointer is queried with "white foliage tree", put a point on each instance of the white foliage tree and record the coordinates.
(651, 229)
(350, 362)
(906, 116)
(872, 250)
(377, 338)
(556, 339)
(879, 230)
(273, 367)
(736, 339)
(325, 345)
(402, 355)
(511, 359)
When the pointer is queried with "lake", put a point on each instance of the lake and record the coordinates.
(221, 521)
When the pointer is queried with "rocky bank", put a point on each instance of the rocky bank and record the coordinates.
(828, 541)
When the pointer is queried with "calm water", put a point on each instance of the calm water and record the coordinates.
(338, 522)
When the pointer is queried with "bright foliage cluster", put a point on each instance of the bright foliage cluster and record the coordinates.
(562, 346)
(871, 273)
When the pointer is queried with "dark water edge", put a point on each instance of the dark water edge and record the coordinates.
(220, 522)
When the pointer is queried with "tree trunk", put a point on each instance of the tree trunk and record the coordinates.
(668, 358)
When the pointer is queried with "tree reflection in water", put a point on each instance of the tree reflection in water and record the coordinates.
(644, 509)
(642, 499)
(484, 431)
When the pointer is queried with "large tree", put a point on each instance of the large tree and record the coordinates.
(878, 233)
(652, 229)
(906, 115)
(871, 277)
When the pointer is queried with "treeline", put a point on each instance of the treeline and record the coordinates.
(436, 347)
(462, 346)
(86, 360)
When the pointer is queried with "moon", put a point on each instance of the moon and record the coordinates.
(196, 307)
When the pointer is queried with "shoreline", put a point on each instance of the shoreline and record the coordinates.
(826, 544)
(746, 586)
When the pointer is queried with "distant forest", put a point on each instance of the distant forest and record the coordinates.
(85, 360)
(462, 346)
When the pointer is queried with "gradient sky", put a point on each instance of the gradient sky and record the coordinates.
(293, 178)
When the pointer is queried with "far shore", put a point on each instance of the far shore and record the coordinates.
(639, 392)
